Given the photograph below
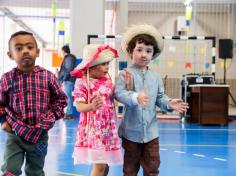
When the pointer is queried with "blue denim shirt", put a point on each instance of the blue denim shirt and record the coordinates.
(140, 124)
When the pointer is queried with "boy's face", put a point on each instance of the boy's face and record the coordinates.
(23, 49)
(142, 55)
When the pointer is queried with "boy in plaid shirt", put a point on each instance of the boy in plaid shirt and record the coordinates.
(31, 100)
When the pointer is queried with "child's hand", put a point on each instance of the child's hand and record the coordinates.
(178, 105)
(142, 99)
(6, 127)
(97, 102)
(128, 80)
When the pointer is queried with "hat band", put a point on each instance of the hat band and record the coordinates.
(99, 50)
(79, 73)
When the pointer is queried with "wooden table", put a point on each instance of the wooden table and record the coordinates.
(209, 104)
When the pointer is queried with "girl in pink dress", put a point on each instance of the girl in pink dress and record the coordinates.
(97, 138)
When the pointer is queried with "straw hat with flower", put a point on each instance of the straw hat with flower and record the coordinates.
(94, 54)
(136, 30)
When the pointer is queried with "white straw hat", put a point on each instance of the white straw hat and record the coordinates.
(94, 54)
(135, 30)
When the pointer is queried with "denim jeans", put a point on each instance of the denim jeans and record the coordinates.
(17, 150)
(68, 88)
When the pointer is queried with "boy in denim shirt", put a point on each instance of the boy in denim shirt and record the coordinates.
(140, 89)
(31, 100)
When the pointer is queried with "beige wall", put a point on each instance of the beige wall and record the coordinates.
(217, 20)
(209, 20)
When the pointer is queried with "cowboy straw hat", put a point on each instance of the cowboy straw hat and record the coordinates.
(94, 54)
(135, 30)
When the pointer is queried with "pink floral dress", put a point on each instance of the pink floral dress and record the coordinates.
(97, 137)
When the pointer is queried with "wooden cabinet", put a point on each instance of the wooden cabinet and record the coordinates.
(209, 104)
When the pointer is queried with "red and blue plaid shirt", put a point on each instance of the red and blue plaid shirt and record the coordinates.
(31, 102)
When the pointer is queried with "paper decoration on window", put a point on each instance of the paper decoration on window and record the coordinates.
(61, 28)
(207, 65)
(172, 49)
(188, 65)
(54, 13)
(54, 9)
(202, 50)
(222, 64)
(188, 16)
(188, 12)
(56, 60)
(61, 33)
(170, 64)
(155, 61)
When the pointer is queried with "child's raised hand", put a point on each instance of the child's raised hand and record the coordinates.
(128, 80)
(142, 99)
(178, 105)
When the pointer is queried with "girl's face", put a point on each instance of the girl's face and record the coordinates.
(99, 71)
(142, 55)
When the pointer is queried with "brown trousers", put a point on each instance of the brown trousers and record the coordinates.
(144, 154)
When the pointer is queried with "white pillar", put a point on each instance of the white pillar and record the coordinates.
(233, 22)
(87, 17)
(122, 24)
(122, 15)
(9, 28)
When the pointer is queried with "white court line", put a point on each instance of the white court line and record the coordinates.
(196, 145)
(195, 129)
(62, 173)
(165, 145)
(59, 135)
(59, 172)
(59, 127)
(170, 129)
(220, 159)
(163, 149)
(199, 155)
(181, 152)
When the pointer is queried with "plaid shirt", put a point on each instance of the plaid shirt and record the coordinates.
(7, 173)
(31, 102)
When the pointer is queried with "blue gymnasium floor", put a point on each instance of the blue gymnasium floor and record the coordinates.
(185, 149)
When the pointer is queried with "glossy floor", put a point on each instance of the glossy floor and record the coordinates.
(185, 149)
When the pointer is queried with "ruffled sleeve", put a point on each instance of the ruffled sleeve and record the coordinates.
(80, 91)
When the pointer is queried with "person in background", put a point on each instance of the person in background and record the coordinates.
(56, 72)
(31, 100)
(141, 89)
(97, 140)
(68, 64)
